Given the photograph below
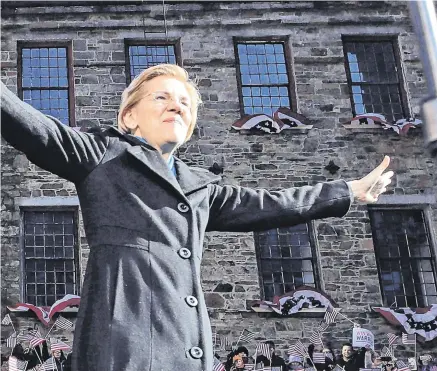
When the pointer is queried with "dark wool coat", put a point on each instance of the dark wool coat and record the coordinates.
(142, 306)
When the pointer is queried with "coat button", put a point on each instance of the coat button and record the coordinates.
(182, 207)
(184, 253)
(191, 301)
(196, 352)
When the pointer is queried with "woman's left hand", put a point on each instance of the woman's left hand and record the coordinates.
(369, 188)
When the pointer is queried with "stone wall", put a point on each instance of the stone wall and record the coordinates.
(293, 158)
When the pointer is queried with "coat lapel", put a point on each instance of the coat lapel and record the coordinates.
(191, 178)
(154, 163)
(188, 179)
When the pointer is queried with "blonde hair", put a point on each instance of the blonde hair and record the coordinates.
(135, 92)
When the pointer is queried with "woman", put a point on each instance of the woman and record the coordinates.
(328, 363)
(59, 357)
(241, 353)
(145, 214)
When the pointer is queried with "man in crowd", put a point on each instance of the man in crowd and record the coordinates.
(276, 361)
(350, 359)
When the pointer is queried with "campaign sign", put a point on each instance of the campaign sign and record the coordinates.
(362, 338)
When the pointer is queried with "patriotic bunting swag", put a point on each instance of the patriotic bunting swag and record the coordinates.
(421, 321)
(294, 301)
(400, 126)
(45, 314)
(282, 119)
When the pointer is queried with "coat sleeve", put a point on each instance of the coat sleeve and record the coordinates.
(47, 142)
(238, 209)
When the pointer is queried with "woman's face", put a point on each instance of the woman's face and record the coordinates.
(57, 353)
(162, 117)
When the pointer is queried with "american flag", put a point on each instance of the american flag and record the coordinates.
(408, 338)
(298, 350)
(316, 338)
(318, 357)
(23, 337)
(223, 342)
(249, 366)
(391, 338)
(16, 365)
(34, 333)
(402, 366)
(330, 315)
(264, 349)
(34, 341)
(63, 323)
(323, 326)
(49, 365)
(386, 352)
(7, 320)
(246, 336)
(218, 366)
(56, 344)
(11, 341)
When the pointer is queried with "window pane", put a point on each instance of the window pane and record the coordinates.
(145, 56)
(374, 63)
(404, 256)
(50, 254)
(281, 254)
(44, 68)
(263, 64)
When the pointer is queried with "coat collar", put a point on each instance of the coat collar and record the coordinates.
(188, 179)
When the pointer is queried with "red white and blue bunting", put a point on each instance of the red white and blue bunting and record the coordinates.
(420, 321)
(400, 126)
(292, 302)
(283, 119)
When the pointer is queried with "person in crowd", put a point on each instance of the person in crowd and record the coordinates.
(59, 357)
(329, 362)
(145, 214)
(37, 355)
(67, 363)
(350, 359)
(274, 361)
(295, 363)
(238, 363)
(426, 362)
(241, 352)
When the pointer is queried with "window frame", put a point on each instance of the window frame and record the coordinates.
(286, 41)
(22, 44)
(394, 40)
(427, 217)
(175, 42)
(76, 247)
(315, 259)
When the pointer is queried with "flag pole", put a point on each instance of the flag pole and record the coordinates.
(415, 348)
(341, 314)
(256, 353)
(51, 328)
(12, 323)
(38, 357)
(314, 366)
(242, 332)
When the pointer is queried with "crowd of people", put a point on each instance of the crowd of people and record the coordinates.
(35, 359)
(350, 359)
